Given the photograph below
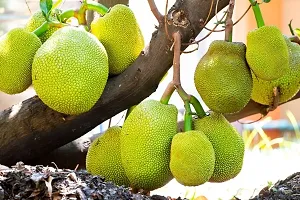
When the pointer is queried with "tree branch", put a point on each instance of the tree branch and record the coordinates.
(31, 129)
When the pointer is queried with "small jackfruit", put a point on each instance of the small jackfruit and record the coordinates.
(288, 85)
(267, 53)
(228, 146)
(104, 157)
(121, 36)
(146, 138)
(222, 77)
(17, 49)
(192, 158)
(36, 20)
(70, 70)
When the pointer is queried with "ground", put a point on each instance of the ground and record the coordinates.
(39, 182)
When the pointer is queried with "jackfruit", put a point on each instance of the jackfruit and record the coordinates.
(222, 77)
(267, 53)
(121, 36)
(104, 157)
(288, 85)
(36, 20)
(70, 71)
(146, 138)
(192, 158)
(228, 146)
(17, 49)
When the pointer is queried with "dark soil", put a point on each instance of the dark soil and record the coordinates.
(288, 189)
(39, 182)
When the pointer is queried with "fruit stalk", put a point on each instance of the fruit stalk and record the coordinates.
(90, 5)
(197, 106)
(257, 12)
(67, 14)
(46, 25)
(187, 117)
(167, 93)
(229, 22)
(176, 78)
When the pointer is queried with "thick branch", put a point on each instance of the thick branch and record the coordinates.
(31, 129)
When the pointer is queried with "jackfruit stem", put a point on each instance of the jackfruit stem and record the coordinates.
(45, 27)
(90, 5)
(229, 22)
(167, 93)
(95, 6)
(197, 106)
(188, 119)
(67, 14)
(257, 12)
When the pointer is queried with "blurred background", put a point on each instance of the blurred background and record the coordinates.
(272, 144)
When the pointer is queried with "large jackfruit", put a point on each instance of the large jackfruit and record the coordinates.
(146, 138)
(288, 85)
(17, 49)
(121, 36)
(222, 77)
(228, 146)
(70, 70)
(192, 158)
(104, 157)
(267, 53)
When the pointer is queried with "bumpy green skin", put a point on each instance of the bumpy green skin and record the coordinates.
(192, 158)
(17, 49)
(267, 53)
(222, 77)
(146, 138)
(70, 71)
(35, 21)
(104, 157)
(288, 84)
(121, 36)
(228, 145)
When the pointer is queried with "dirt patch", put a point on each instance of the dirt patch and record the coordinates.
(39, 182)
(287, 189)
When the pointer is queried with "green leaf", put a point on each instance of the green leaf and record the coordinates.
(266, 1)
(46, 6)
(56, 4)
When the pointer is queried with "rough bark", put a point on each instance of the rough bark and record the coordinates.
(31, 129)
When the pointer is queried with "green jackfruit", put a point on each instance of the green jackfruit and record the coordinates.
(70, 70)
(36, 20)
(17, 49)
(228, 146)
(121, 36)
(192, 158)
(146, 138)
(104, 157)
(222, 77)
(288, 85)
(267, 53)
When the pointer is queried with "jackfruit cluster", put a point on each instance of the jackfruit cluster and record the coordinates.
(68, 66)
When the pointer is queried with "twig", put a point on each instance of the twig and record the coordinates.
(229, 23)
(233, 23)
(207, 35)
(166, 21)
(28, 7)
(210, 10)
(155, 11)
(176, 58)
